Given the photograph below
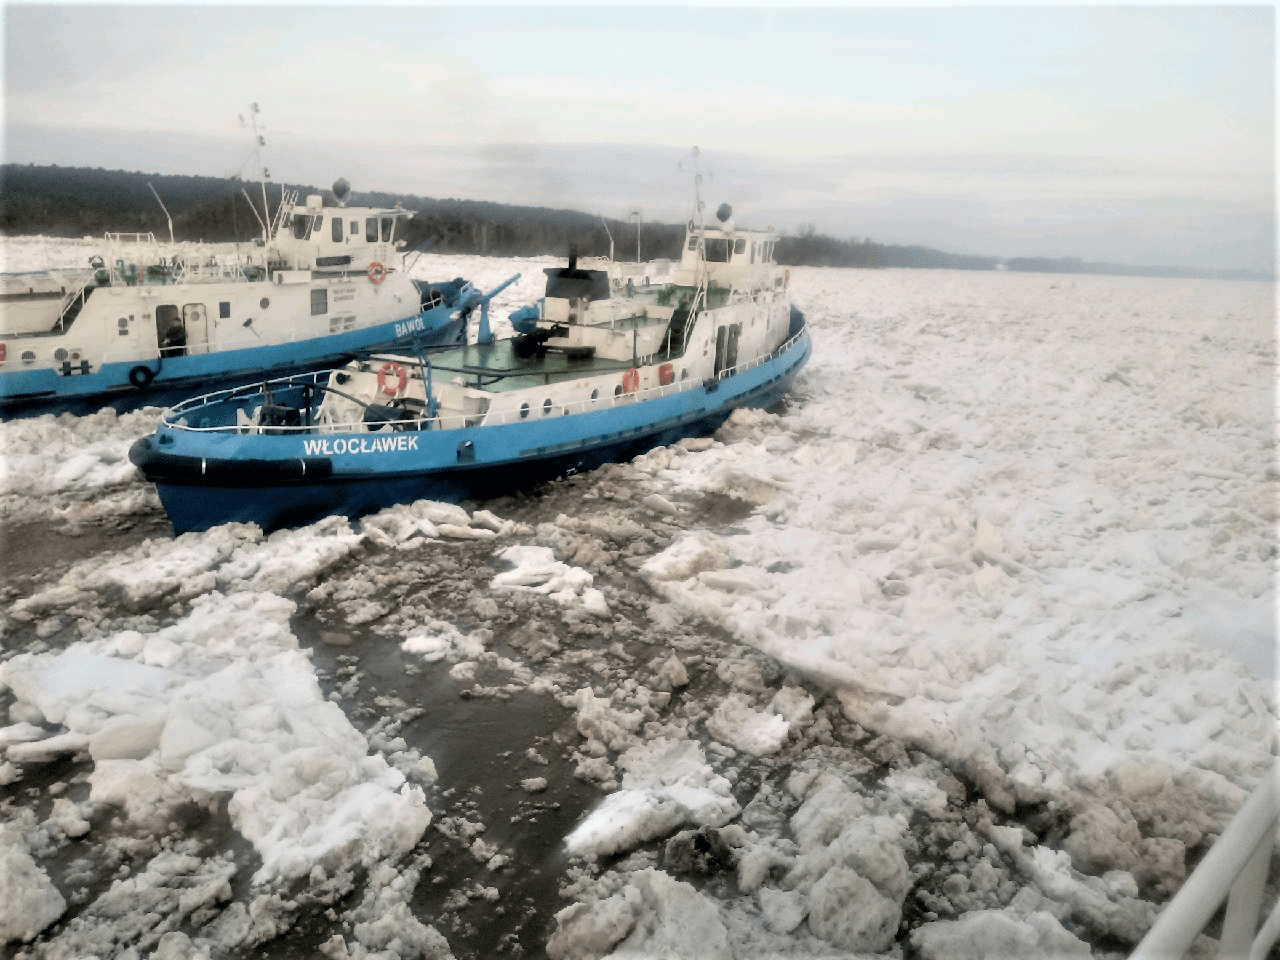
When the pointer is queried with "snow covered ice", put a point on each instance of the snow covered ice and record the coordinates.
(969, 648)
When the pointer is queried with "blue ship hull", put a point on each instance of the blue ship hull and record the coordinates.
(164, 381)
(292, 478)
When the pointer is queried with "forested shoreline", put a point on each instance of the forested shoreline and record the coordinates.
(80, 201)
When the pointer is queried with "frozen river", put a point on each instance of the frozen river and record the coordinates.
(969, 643)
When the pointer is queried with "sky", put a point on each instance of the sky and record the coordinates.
(1134, 134)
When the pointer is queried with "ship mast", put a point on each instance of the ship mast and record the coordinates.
(259, 141)
(698, 207)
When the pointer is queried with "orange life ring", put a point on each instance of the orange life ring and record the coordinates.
(402, 379)
(631, 381)
(377, 272)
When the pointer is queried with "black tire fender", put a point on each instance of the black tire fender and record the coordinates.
(141, 377)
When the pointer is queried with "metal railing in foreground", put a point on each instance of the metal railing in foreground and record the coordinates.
(1234, 870)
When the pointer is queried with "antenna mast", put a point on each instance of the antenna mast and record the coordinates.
(702, 226)
(697, 190)
(162, 207)
(609, 234)
(259, 141)
(635, 213)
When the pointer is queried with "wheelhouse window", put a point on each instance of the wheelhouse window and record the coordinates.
(303, 224)
(355, 227)
(336, 229)
(717, 250)
(224, 309)
(388, 224)
(319, 301)
(739, 246)
(371, 230)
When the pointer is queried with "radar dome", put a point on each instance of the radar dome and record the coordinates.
(341, 190)
(724, 213)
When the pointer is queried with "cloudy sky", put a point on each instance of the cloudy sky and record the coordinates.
(1139, 134)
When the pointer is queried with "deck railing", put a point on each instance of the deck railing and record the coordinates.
(173, 417)
(1234, 870)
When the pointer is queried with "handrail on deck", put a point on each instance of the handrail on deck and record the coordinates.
(1234, 870)
(173, 416)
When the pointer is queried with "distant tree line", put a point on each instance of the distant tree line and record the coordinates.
(816, 250)
(79, 201)
(75, 201)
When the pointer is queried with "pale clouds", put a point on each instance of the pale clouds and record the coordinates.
(1137, 133)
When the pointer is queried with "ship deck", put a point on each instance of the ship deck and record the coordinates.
(497, 367)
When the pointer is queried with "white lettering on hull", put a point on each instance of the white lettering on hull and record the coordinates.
(410, 326)
(361, 445)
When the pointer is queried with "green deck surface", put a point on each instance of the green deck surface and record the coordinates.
(497, 368)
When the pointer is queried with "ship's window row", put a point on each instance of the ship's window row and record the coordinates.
(306, 226)
(721, 250)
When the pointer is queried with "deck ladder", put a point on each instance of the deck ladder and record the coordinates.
(1234, 870)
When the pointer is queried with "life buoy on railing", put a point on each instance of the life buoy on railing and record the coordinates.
(377, 272)
(631, 381)
(141, 377)
(402, 379)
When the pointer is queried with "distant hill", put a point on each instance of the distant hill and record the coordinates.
(80, 201)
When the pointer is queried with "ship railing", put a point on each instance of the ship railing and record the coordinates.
(569, 408)
(512, 415)
(765, 358)
(1234, 870)
(148, 267)
(288, 200)
(174, 416)
(493, 417)
(116, 238)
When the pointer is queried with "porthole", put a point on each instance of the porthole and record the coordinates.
(595, 394)
(60, 354)
(123, 323)
(28, 356)
(524, 411)
(546, 406)
(264, 302)
(684, 374)
(617, 391)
